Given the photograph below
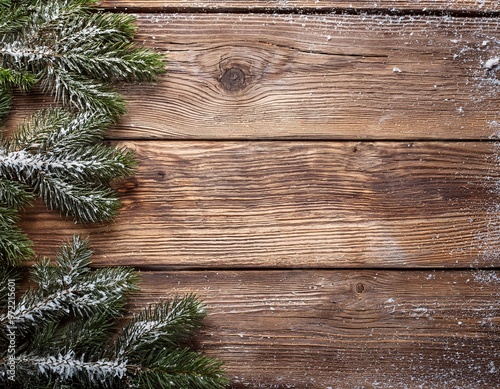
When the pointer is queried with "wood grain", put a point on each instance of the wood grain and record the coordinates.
(311, 5)
(299, 204)
(346, 329)
(314, 77)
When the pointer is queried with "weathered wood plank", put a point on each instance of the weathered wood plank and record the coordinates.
(300, 204)
(315, 77)
(280, 5)
(346, 329)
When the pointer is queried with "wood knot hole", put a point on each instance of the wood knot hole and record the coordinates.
(360, 288)
(129, 185)
(233, 80)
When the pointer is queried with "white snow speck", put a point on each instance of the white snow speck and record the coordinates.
(492, 63)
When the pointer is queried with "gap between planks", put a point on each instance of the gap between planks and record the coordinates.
(456, 7)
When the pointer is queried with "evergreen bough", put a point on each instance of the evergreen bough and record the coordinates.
(59, 157)
(61, 333)
(64, 338)
(71, 52)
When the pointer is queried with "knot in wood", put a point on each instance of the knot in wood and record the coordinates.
(233, 80)
(360, 288)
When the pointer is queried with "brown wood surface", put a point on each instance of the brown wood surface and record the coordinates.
(315, 77)
(299, 204)
(346, 329)
(336, 263)
(280, 5)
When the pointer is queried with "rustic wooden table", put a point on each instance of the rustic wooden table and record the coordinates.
(325, 176)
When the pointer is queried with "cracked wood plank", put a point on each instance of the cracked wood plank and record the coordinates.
(314, 77)
(321, 5)
(299, 204)
(345, 329)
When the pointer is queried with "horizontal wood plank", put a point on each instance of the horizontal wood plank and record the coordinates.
(299, 204)
(345, 329)
(282, 5)
(314, 77)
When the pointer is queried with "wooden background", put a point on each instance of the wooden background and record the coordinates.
(325, 176)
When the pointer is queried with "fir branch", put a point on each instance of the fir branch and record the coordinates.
(72, 261)
(68, 290)
(64, 341)
(74, 53)
(57, 129)
(166, 324)
(76, 91)
(85, 203)
(95, 27)
(69, 367)
(5, 103)
(56, 156)
(177, 368)
(14, 194)
(14, 244)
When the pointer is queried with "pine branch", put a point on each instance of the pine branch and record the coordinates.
(177, 368)
(5, 103)
(14, 194)
(56, 129)
(68, 367)
(74, 90)
(166, 324)
(63, 340)
(68, 290)
(55, 154)
(14, 244)
(74, 54)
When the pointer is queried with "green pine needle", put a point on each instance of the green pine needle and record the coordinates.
(166, 324)
(5, 103)
(72, 289)
(14, 194)
(16, 78)
(178, 368)
(14, 244)
(66, 337)
(55, 156)
(73, 53)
